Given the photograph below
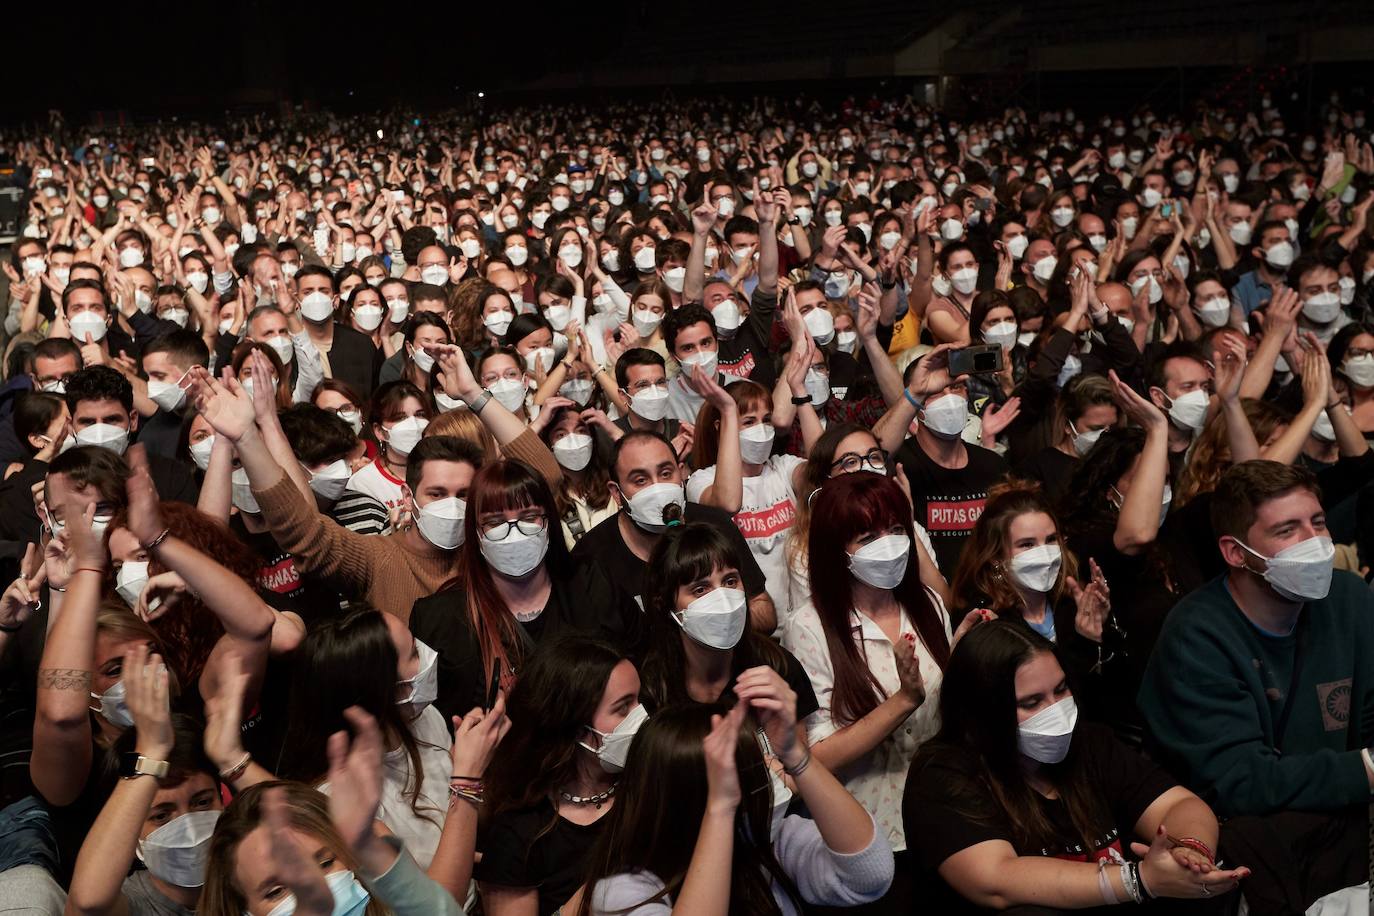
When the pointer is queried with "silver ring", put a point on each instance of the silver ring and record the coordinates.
(1206, 891)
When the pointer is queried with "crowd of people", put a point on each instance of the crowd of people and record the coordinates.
(712, 507)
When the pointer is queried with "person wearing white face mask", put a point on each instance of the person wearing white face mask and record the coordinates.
(870, 604)
(1033, 745)
(1281, 610)
(1319, 288)
(579, 702)
(690, 335)
(1015, 566)
(398, 569)
(1084, 409)
(647, 483)
(1273, 254)
(1178, 385)
(738, 473)
(346, 354)
(947, 313)
(163, 811)
(572, 435)
(329, 452)
(400, 414)
(700, 647)
(512, 554)
(949, 477)
(167, 362)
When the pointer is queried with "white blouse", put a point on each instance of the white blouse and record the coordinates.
(877, 779)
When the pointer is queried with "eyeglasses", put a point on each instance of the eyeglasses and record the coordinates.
(849, 462)
(526, 525)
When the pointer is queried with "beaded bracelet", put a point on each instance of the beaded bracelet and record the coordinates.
(1129, 881)
(1196, 845)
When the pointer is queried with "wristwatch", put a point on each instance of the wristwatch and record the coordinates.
(801, 399)
(794, 221)
(133, 764)
(481, 401)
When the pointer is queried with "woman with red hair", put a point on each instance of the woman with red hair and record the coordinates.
(874, 642)
(516, 587)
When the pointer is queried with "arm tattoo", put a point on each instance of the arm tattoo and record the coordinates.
(64, 679)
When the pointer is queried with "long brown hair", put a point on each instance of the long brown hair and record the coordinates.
(1211, 454)
(845, 508)
(654, 823)
(978, 579)
(978, 718)
(307, 811)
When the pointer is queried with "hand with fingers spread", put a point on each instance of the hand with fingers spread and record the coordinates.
(224, 404)
(293, 867)
(997, 418)
(1230, 368)
(355, 776)
(1141, 410)
(223, 736)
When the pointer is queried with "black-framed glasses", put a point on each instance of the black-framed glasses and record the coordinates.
(526, 525)
(873, 460)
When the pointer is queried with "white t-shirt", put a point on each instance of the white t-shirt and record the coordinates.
(418, 831)
(379, 483)
(877, 779)
(767, 512)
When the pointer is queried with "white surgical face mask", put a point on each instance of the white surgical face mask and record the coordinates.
(1061, 216)
(1156, 291)
(441, 521)
(1128, 227)
(498, 322)
(1045, 737)
(706, 359)
(1323, 308)
(615, 744)
(167, 395)
(821, 324)
(946, 415)
(1097, 241)
(87, 324)
(422, 689)
(1038, 568)
(317, 306)
(1301, 572)
(1189, 411)
(540, 357)
(104, 435)
(965, 279)
(817, 386)
(573, 451)
(331, 480)
(368, 317)
(650, 403)
(716, 619)
(517, 554)
(1347, 293)
(756, 443)
(644, 258)
(847, 341)
(509, 393)
(655, 506)
(402, 437)
(1279, 255)
(1002, 334)
(130, 580)
(675, 278)
(1360, 370)
(177, 851)
(1214, 312)
(1044, 268)
(882, 562)
(242, 493)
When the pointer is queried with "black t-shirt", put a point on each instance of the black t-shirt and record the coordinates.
(585, 602)
(519, 849)
(605, 546)
(1052, 468)
(160, 433)
(947, 809)
(948, 501)
(746, 353)
(279, 581)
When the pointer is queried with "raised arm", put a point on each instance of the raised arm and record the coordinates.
(727, 490)
(61, 759)
(1137, 524)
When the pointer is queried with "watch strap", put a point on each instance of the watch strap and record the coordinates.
(134, 764)
(801, 399)
(481, 401)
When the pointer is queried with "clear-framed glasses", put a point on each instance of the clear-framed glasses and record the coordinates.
(529, 524)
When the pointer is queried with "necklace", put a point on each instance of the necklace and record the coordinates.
(599, 799)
